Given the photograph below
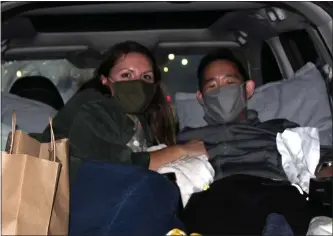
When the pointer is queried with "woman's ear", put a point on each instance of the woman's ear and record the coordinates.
(103, 80)
(250, 86)
(106, 82)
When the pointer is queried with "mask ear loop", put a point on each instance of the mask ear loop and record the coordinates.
(243, 85)
(111, 88)
(110, 79)
(245, 111)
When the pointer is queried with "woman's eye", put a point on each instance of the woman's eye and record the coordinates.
(126, 75)
(148, 77)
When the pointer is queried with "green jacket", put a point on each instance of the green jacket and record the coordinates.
(98, 130)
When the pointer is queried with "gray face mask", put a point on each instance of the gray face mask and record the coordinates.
(223, 105)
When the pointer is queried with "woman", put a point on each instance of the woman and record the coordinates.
(114, 119)
(120, 113)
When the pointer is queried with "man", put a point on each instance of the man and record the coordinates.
(222, 71)
(224, 87)
(243, 152)
(235, 138)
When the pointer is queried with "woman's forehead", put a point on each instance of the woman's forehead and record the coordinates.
(133, 60)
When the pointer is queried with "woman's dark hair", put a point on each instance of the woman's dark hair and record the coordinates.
(222, 54)
(159, 113)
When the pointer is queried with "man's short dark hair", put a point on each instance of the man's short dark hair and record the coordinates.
(222, 54)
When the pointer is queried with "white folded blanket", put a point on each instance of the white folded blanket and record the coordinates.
(300, 152)
(194, 174)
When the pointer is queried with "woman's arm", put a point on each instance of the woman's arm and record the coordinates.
(99, 131)
(175, 152)
(166, 155)
(105, 141)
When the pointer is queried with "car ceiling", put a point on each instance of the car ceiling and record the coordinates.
(82, 31)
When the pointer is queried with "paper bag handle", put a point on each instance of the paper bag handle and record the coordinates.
(53, 143)
(13, 132)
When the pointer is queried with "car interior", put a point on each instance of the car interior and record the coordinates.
(65, 41)
(286, 48)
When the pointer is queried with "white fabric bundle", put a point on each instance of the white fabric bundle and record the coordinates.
(320, 225)
(300, 152)
(194, 174)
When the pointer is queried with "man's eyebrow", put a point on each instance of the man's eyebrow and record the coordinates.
(209, 79)
(236, 76)
(226, 76)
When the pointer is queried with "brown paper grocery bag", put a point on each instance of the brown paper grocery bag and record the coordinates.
(28, 189)
(24, 144)
(60, 213)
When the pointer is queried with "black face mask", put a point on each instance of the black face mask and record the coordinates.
(134, 96)
(223, 105)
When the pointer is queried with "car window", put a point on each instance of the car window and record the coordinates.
(299, 48)
(179, 74)
(62, 73)
(269, 67)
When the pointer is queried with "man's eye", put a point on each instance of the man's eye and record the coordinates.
(213, 85)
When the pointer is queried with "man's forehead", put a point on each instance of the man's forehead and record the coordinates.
(221, 67)
(223, 76)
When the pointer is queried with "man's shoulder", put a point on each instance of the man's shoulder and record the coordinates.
(277, 125)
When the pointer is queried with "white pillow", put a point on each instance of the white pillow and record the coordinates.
(5, 130)
(31, 116)
(302, 99)
(190, 113)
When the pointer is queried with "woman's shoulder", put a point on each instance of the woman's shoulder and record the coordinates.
(93, 100)
(88, 96)
(89, 105)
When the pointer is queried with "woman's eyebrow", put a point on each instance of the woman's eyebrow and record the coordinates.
(148, 71)
(125, 69)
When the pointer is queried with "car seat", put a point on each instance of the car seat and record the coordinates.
(38, 88)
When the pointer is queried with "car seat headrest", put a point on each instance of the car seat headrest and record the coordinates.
(38, 88)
